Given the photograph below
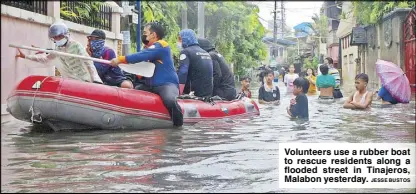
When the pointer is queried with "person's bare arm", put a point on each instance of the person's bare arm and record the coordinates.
(367, 103)
(288, 111)
(347, 103)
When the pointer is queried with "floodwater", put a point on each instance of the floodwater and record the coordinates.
(222, 156)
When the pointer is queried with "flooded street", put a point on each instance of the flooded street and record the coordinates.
(222, 156)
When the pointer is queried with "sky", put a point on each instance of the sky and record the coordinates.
(296, 11)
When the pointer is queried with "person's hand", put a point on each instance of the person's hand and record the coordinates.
(114, 62)
(20, 54)
(292, 102)
(88, 49)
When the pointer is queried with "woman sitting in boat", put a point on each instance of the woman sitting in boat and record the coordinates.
(325, 83)
(195, 69)
(112, 76)
(70, 67)
(165, 81)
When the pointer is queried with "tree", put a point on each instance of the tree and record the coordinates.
(369, 12)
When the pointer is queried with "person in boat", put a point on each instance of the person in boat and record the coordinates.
(361, 99)
(325, 83)
(165, 81)
(195, 66)
(299, 106)
(290, 78)
(334, 72)
(385, 96)
(224, 85)
(70, 67)
(245, 91)
(268, 92)
(112, 76)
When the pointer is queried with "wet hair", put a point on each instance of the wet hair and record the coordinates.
(301, 82)
(292, 65)
(362, 76)
(313, 72)
(324, 69)
(330, 61)
(245, 78)
(267, 72)
(158, 28)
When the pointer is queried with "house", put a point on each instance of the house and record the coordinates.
(349, 53)
(332, 11)
(27, 23)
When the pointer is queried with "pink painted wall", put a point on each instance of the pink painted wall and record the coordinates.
(20, 32)
(333, 53)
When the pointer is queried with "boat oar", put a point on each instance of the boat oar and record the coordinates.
(145, 69)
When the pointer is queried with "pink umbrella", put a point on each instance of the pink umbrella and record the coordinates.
(394, 80)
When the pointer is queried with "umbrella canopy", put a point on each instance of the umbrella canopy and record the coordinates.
(394, 80)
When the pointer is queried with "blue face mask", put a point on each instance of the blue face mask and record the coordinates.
(97, 48)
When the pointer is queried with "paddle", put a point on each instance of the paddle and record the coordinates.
(145, 69)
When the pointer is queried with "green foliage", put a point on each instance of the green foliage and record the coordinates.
(233, 27)
(82, 12)
(368, 12)
(311, 64)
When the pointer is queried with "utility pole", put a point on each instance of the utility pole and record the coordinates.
(125, 28)
(185, 16)
(282, 12)
(139, 26)
(274, 29)
(201, 18)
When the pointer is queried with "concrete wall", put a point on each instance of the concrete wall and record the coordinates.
(23, 27)
(377, 48)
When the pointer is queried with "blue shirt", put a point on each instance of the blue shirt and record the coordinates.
(160, 54)
(386, 96)
(108, 74)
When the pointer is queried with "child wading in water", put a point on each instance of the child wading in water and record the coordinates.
(299, 106)
(361, 99)
(290, 78)
(312, 81)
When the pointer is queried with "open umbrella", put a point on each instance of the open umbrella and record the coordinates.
(394, 80)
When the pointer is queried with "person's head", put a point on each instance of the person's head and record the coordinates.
(59, 34)
(301, 85)
(292, 68)
(310, 72)
(324, 69)
(361, 81)
(96, 42)
(269, 75)
(205, 44)
(329, 61)
(152, 32)
(186, 38)
(245, 82)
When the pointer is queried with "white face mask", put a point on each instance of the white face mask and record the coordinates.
(179, 45)
(61, 42)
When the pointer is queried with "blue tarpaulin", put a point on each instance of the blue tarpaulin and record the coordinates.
(303, 29)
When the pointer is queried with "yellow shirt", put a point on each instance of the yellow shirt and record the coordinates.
(312, 87)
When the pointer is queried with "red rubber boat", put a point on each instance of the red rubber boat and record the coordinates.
(70, 104)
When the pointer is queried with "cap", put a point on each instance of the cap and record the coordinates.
(98, 33)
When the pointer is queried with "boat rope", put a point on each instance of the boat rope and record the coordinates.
(31, 110)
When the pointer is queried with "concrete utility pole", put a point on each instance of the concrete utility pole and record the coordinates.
(139, 26)
(274, 28)
(201, 19)
(282, 19)
(125, 28)
(185, 16)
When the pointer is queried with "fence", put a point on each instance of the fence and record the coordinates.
(34, 6)
(95, 14)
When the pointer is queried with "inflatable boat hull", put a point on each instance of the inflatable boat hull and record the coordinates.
(66, 103)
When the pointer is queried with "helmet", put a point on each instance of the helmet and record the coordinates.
(58, 29)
